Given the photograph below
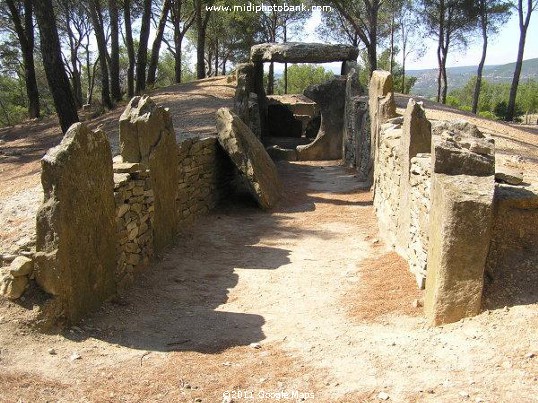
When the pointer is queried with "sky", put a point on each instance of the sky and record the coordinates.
(502, 48)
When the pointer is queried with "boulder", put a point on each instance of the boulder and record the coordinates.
(21, 266)
(250, 157)
(76, 241)
(147, 136)
(12, 287)
(299, 52)
(331, 98)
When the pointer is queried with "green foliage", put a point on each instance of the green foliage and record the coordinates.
(493, 102)
(301, 76)
(166, 71)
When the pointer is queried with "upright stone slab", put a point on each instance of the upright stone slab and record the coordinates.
(416, 138)
(331, 98)
(459, 236)
(147, 136)
(382, 107)
(76, 232)
(460, 221)
(250, 157)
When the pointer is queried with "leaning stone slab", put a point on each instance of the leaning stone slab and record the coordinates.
(331, 98)
(459, 238)
(76, 240)
(299, 52)
(147, 136)
(250, 157)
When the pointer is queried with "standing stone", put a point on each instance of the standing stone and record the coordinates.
(381, 107)
(76, 241)
(416, 138)
(459, 237)
(250, 157)
(460, 226)
(147, 136)
(331, 98)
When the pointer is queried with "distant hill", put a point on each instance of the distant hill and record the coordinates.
(426, 84)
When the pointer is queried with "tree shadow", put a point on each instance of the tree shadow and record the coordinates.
(178, 303)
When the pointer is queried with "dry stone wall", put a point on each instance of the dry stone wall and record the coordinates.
(420, 182)
(135, 207)
(205, 175)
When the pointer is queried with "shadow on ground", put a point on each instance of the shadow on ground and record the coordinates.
(178, 303)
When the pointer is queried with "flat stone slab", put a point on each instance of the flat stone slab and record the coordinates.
(299, 52)
(250, 157)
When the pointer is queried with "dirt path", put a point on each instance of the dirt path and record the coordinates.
(330, 312)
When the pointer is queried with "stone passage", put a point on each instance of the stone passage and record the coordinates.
(75, 256)
(250, 157)
(147, 136)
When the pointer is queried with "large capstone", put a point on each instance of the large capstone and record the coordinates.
(250, 157)
(298, 52)
(76, 231)
(147, 136)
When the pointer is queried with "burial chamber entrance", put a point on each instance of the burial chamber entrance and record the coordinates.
(307, 126)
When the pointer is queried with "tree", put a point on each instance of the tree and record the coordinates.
(524, 10)
(492, 14)
(154, 60)
(301, 76)
(24, 28)
(449, 21)
(202, 15)
(363, 17)
(129, 44)
(142, 55)
(182, 17)
(96, 16)
(115, 87)
(51, 51)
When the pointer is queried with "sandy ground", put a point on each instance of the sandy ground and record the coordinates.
(330, 312)
(303, 300)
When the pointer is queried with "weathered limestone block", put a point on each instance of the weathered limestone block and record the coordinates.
(76, 232)
(261, 97)
(381, 107)
(281, 154)
(21, 266)
(299, 52)
(147, 136)
(459, 236)
(331, 98)
(508, 170)
(244, 86)
(416, 138)
(250, 157)
(460, 149)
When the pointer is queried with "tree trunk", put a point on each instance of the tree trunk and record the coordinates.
(64, 101)
(97, 19)
(216, 57)
(154, 60)
(523, 25)
(115, 87)
(142, 56)
(478, 85)
(201, 26)
(129, 44)
(271, 79)
(26, 40)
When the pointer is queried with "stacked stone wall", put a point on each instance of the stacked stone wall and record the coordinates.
(204, 177)
(134, 220)
(420, 181)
